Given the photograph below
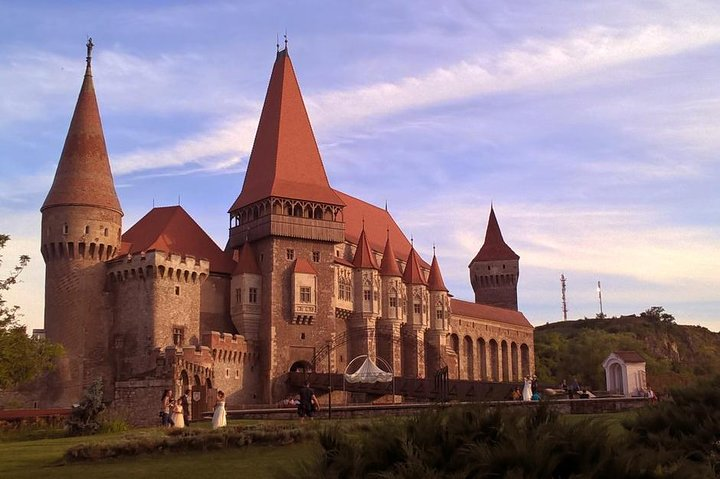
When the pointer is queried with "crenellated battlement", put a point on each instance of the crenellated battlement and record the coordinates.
(229, 348)
(159, 265)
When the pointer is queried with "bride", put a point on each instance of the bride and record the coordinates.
(527, 389)
(219, 416)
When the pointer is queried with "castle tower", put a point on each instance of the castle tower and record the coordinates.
(495, 270)
(439, 317)
(417, 317)
(293, 218)
(394, 302)
(367, 288)
(246, 284)
(81, 226)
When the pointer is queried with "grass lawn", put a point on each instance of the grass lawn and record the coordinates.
(42, 459)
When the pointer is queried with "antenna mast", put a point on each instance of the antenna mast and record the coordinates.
(563, 281)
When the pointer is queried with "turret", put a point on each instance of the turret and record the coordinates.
(246, 293)
(495, 270)
(81, 227)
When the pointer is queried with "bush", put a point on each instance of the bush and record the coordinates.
(84, 417)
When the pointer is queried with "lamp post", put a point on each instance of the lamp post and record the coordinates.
(329, 344)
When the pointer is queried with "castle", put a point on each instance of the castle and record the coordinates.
(305, 268)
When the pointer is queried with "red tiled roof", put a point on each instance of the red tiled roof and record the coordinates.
(83, 175)
(629, 356)
(343, 262)
(303, 266)
(412, 273)
(435, 279)
(494, 247)
(171, 229)
(482, 311)
(378, 224)
(246, 261)
(285, 160)
(389, 265)
(364, 257)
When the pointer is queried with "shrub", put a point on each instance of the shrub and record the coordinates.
(84, 417)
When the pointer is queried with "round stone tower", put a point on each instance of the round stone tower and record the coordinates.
(81, 228)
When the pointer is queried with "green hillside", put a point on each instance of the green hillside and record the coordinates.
(676, 355)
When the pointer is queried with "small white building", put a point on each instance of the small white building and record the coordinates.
(625, 373)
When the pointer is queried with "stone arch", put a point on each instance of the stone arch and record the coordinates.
(185, 380)
(505, 361)
(297, 210)
(328, 214)
(288, 208)
(482, 356)
(307, 211)
(494, 361)
(318, 213)
(525, 359)
(277, 208)
(301, 366)
(455, 344)
(469, 358)
(514, 359)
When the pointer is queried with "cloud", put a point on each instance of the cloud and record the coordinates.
(533, 64)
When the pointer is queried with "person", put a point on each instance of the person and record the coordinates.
(220, 415)
(177, 414)
(165, 408)
(185, 403)
(573, 389)
(533, 384)
(651, 394)
(526, 392)
(308, 402)
(516, 395)
(535, 396)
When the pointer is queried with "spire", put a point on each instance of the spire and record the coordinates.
(389, 265)
(246, 262)
(364, 257)
(494, 247)
(435, 279)
(83, 176)
(412, 273)
(285, 160)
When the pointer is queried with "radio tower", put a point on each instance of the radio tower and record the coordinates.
(563, 280)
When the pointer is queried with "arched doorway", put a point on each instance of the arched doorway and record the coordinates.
(469, 358)
(505, 362)
(494, 363)
(514, 359)
(525, 359)
(301, 367)
(482, 355)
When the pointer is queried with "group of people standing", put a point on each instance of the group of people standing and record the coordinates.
(175, 412)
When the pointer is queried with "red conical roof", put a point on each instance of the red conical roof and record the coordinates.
(83, 175)
(389, 265)
(435, 279)
(172, 229)
(364, 257)
(246, 261)
(494, 247)
(412, 273)
(285, 160)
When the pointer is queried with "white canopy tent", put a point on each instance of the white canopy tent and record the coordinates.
(369, 373)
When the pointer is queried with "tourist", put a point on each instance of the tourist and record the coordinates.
(165, 408)
(573, 389)
(220, 415)
(533, 384)
(308, 402)
(185, 403)
(516, 395)
(177, 414)
(526, 392)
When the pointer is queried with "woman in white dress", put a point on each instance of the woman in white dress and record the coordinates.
(219, 416)
(177, 415)
(527, 389)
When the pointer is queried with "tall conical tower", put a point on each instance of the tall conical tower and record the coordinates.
(81, 227)
(495, 269)
(293, 218)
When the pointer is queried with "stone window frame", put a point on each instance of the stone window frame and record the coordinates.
(305, 294)
(316, 256)
(252, 295)
(178, 335)
(290, 254)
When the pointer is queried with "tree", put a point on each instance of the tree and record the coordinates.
(84, 417)
(658, 314)
(21, 358)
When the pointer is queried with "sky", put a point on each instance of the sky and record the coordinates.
(592, 127)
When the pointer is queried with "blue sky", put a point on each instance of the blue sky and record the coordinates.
(591, 126)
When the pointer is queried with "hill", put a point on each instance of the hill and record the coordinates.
(676, 355)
